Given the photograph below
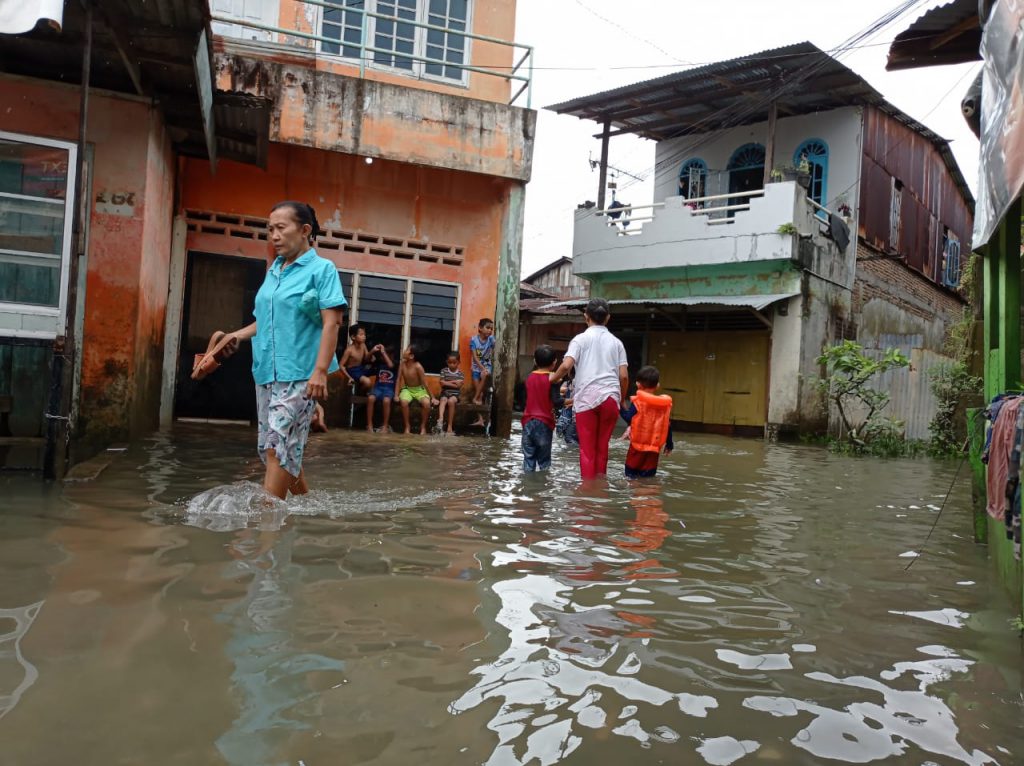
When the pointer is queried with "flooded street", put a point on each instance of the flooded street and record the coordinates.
(428, 604)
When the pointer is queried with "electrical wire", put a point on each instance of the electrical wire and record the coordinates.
(736, 114)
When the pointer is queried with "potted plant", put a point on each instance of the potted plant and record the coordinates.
(803, 173)
(844, 209)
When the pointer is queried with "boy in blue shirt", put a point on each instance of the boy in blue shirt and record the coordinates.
(481, 349)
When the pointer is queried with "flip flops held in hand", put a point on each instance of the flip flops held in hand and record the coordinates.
(221, 346)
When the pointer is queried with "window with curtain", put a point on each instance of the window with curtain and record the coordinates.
(397, 33)
(815, 152)
(35, 188)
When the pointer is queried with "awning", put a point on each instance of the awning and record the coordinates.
(20, 16)
(756, 302)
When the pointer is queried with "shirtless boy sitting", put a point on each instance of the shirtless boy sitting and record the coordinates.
(412, 384)
(355, 360)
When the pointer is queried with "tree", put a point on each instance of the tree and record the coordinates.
(848, 372)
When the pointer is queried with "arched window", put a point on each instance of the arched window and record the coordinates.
(746, 171)
(692, 178)
(815, 152)
(747, 157)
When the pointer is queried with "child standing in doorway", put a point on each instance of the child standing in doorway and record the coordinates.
(412, 385)
(542, 398)
(383, 388)
(354, 360)
(452, 379)
(650, 425)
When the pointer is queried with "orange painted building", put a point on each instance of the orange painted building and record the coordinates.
(401, 135)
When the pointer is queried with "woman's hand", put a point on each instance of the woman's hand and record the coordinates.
(316, 387)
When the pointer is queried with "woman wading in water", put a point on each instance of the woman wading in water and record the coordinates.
(294, 337)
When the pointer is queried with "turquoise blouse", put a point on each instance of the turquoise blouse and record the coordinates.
(288, 322)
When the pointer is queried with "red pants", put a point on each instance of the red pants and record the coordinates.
(594, 428)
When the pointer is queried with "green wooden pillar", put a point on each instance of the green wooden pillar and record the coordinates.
(506, 314)
(1002, 305)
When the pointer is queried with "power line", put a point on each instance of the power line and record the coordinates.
(735, 115)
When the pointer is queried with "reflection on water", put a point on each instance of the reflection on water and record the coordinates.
(429, 604)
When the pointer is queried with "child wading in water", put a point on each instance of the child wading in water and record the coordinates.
(650, 425)
(452, 379)
(412, 384)
(355, 359)
(539, 415)
(383, 389)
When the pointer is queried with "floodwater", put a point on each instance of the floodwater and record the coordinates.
(428, 604)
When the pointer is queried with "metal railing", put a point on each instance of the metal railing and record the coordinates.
(521, 71)
(711, 206)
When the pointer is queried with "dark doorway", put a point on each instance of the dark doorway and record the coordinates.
(220, 293)
(746, 173)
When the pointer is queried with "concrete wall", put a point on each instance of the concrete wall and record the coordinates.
(128, 248)
(340, 113)
(389, 198)
(840, 129)
(679, 237)
(784, 364)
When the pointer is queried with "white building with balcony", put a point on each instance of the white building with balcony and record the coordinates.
(794, 207)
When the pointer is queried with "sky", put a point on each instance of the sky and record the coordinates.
(588, 46)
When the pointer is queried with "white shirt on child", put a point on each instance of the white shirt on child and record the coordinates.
(597, 355)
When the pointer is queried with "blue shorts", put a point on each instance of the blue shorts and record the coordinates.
(383, 391)
(357, 372)
(477, 374)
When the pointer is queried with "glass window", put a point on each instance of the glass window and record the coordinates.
(397, 31)
(346, 26)
(391, 34)
(432, 321)
(447, 48)
(33, 213)
(951, 260)
(382, 310)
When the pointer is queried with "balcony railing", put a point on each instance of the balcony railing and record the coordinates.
(718, 209)
(435, 52)
(753, 225)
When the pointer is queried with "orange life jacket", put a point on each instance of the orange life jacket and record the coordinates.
(648, 430)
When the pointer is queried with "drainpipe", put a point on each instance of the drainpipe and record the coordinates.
(769, 149)
(58, 425)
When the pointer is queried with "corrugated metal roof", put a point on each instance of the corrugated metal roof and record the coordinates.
(949, 34)
(757, 302)
(735, 92)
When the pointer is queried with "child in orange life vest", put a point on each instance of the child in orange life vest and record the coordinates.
(650, 425)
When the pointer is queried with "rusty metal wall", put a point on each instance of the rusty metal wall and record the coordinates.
(930, 200)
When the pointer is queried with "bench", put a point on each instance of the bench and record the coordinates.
(466, 414)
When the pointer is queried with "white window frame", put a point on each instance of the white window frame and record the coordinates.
(262, 11)
(353, 302)
(58, 313)
(418, 70)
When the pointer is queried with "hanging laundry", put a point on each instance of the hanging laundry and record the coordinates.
(1013, 493)
(1000, 445)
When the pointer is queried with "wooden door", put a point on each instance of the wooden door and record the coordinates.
(736, 378)
(679, 357)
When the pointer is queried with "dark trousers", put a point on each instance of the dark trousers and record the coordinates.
(536, 446)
